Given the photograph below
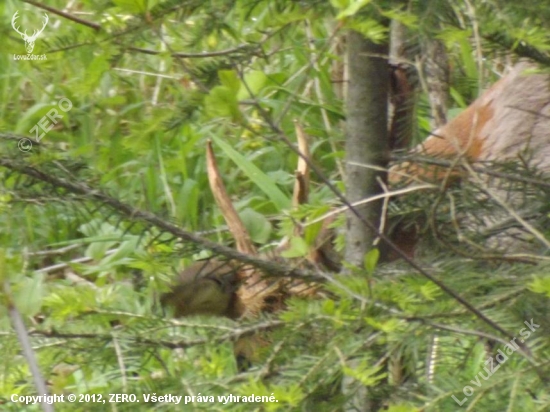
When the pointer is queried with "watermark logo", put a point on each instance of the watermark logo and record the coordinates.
(501, 357)
(45, 124)
(29, 39)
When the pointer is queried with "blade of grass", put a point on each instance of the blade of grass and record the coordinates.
(260, 179)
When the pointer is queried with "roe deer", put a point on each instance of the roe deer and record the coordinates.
(510, 122)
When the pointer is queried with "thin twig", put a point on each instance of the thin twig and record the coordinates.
(537, 234)
(54, 252)
(120, 360)
(386, 195)
(65, 15)
(479, 169)
(26, 347)
(242, 47)
(84, 259)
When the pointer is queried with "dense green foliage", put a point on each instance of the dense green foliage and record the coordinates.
(149, 83)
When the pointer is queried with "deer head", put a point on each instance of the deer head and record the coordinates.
(29, 40)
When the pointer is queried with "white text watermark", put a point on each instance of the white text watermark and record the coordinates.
(45, 124)
(502, 356)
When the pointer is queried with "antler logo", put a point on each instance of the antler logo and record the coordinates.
(29, 40)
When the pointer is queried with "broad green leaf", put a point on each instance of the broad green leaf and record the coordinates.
(297, 248)
(28, 294)
(329, 307)
(468, 59)
(475, 360)
(257, 225)
(127, 248)
(260, 179)
(93, 74)
(312, 230)
(229, 79)
(371, 260)
(540, 285)
(457, 97)
(35, 116)
(255, 81)
(188, 202)
(222, 102)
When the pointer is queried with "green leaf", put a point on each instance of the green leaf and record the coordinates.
(229, 79)
(329, 307)
(312, 231)
(540, 285)
(297, 248)
(476, 359)
(430, 291)
(260, 179)
(340, 4)
(257, 225)
(406, 18)
(28, 294)
(3, 274)
(255, 81)
(386, 326)
(457, 97)
(188, 204)
(31, 117)
(222, 102)
(352, 8)
(102, 236)
(468, 59)
(126, 249)
(371, 29)
(93, 74)
(371, 260)
(364, 373)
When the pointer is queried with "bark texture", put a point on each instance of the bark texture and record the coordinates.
(404, 50)
(367, 142)
(437, 78)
